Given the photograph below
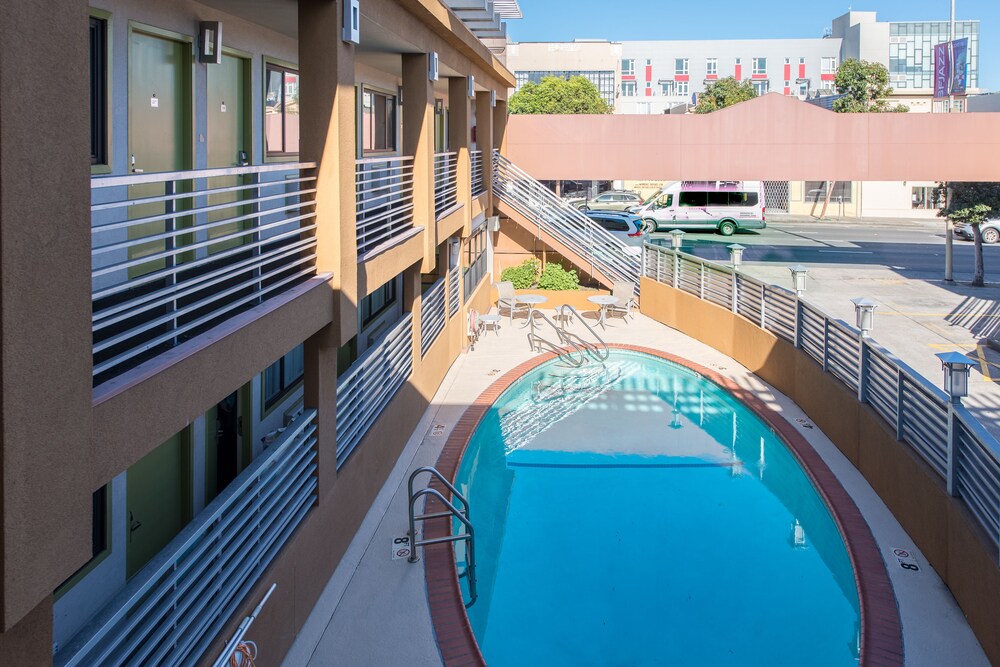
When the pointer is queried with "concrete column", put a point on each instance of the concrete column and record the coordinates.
(484, 139)
(459, 139)
(328, 137)
(45, 411)
(411, 304)
(418, 141)
(500, 126)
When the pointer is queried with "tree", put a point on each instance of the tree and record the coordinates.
(865, 87)
(555, 95)
(971, 203)
(724, 93)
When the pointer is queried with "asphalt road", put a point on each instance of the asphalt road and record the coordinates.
(912, 250)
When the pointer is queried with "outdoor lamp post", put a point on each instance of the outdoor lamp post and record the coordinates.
(736, 254)
(799, 278)
(864, 310)
(676, 238)
(956, 374)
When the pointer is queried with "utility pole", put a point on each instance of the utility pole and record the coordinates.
(949, 229)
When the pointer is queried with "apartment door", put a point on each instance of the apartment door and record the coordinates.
(228, 143)
(159, 131)
(223, 440)
(157, 499)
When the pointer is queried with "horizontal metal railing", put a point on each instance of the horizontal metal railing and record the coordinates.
(177, 605)
(473, 275)
(366, 388)
(952, 442)
(432, 317)
(454, 284)
(174, 254)
(593, 244)
(445, 182)
(384, 210)
(477, 174)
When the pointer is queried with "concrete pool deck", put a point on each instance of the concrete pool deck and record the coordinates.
(374, 610)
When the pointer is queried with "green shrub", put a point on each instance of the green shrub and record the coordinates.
(523, 275)
(555, 277)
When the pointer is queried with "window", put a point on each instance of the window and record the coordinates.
(680, 66)
(712, 67)
(377, 302)
(98, 91)
(664, 201)
(283, 375)
(828, 66)
(605, 80)
(649, 86)
(281, 111)
(378, 121)
(929, 197)
(762, 86)
(668, 88)
(693, 199)
(628, 88)
(802, 61)
(612, 225)
(816, 191)
(760, 66)
(683, 87)
(739, 61)
(628, 67)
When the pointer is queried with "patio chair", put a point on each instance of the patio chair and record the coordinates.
(624, 291)
(507, 299)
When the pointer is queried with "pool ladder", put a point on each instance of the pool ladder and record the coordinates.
(450, 512)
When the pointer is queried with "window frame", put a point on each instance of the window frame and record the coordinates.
(392, 123)
(272, 64)
(630, 86)
(683, 88)
(286, 386)
(682, 66)
(711, 67)
(761, 86)
(101, 162)
(631, 69)
(758, 66)
(387, 302)
(824, 61)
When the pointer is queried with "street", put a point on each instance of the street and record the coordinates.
(901, 266)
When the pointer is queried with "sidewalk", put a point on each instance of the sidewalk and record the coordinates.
(910, 223)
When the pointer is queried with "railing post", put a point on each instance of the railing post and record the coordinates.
(254, 179)
(734, 301)
(826, 344)
(677, 269)
(763, 306)
(863, 357)
(701, 294)
(170, 243)
(951, 466)
(797, 334)
(900, 388)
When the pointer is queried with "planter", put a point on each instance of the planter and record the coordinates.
(556, 298)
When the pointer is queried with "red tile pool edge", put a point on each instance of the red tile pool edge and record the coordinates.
(881, 631)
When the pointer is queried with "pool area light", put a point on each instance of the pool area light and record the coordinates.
(676, 238)
(864, 311)
(736, 254)
(956, 374)
(799, 274)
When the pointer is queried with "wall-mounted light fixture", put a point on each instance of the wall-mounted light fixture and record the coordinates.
(352, 21)
(210, 42)
(493, 98)
(433, 66)
(470, 86)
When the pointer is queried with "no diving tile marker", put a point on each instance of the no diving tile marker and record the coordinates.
(906, 560)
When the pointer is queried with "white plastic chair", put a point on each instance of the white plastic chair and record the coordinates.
(624, 291)
(507, 299)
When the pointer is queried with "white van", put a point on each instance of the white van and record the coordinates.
(723, 206)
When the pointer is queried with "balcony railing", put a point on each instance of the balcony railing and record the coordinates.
(454, 284)
(177, 605)
(384, 188)
(176, 253)
(952, 442)
(445, 182)
(370, 383)
(478, 180)
(432, 317)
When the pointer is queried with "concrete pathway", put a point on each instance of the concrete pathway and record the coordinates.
(374, 609)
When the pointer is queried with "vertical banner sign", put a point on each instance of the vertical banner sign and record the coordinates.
(942, 69)
(960, 56)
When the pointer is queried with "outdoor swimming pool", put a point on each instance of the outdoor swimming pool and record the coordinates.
(635, 513)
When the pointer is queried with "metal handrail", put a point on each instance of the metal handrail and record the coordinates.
(563, 353)
(451, 511)
(589, 346)
(191, 174)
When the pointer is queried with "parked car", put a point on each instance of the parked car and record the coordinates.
(612, 200)
(625, 226)
(990, 230)
(722, 206)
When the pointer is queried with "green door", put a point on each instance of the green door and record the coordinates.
(228, 142)
(158, 501)
(159, 129)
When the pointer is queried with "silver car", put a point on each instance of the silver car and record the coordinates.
(990, 230)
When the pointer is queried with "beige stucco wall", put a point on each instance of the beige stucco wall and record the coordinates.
(770, 138)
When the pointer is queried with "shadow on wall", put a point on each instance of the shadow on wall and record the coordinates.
(980, 317)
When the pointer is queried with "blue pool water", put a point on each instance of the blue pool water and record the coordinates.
(636, 514)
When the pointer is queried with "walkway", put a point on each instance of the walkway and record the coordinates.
(374, 609)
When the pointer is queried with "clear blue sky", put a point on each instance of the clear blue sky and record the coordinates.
(564, 20)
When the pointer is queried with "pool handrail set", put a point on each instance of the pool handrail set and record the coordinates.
(598, 351)
(944, 433)
(603, 251)
(461, 514)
